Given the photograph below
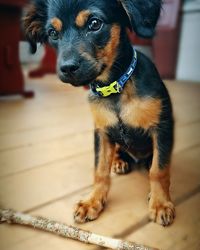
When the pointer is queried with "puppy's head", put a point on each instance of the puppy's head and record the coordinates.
(87, 34)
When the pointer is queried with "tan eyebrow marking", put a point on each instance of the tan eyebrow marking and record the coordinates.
(56, 23)
(82, 18)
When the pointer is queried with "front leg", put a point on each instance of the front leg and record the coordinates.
(90, 208)
(161, 208)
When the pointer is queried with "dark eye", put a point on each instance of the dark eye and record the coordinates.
(95, 24)
(53, 34)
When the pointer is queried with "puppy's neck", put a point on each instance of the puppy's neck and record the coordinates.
(120, 64)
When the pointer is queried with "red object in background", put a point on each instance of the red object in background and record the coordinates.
(47, 65)
(11, 77)
(137, 40)
(166, 41)
(164, 46)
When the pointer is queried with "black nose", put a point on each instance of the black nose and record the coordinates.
(69, 67)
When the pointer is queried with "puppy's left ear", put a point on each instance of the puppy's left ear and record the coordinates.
(34, 22)
(143, 15)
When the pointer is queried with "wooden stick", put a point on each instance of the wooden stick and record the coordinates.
(61, 229)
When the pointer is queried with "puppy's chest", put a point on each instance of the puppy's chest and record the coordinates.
(136, 113)
(128, 123)
(130, 138)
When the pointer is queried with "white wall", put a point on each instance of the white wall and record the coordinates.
(188, 67)
(25, 55)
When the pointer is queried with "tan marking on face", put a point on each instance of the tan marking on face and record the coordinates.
(82, 18)
(109, 53)
(141, 112)
(57, 24)
(103, 117)
(86, 55)
(89, 58)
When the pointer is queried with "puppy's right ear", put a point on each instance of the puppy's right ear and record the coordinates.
(142, 15)
(34, 22)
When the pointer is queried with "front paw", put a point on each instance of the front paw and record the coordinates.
(88, 210)
(162, 213)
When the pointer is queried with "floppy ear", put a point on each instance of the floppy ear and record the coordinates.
(34, 22)
(143, 15)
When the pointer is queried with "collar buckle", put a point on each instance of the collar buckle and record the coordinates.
(117, 86)
(113, 88)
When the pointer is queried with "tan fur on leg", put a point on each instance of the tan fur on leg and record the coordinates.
(161, 209)
(90, 209)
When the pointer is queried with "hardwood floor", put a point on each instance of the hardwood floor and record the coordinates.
(46, 166)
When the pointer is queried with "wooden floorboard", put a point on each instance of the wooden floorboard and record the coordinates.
(125, 209)
(15, 160)
(183, 235)
(46, 166)
(18, 139)
(50, 149)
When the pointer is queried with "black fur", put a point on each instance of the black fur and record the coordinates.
(141, 15)
(36, 15)
(133, 140)
(79, 47)
(96, 147)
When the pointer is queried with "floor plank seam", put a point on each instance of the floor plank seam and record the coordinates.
(146, 220)
(50, 125)
(82, 153)
(46, 164)
(42, 205)
(143, 222)
(186, 149)
(57, 199)
(182, 125)
(44, 141)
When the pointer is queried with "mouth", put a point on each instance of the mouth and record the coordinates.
(81, 78)
(76, 81)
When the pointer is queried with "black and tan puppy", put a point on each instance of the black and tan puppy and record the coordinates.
(129, 102)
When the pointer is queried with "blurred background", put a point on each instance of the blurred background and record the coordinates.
(174, 49)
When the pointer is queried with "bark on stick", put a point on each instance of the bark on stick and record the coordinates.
(66, 231)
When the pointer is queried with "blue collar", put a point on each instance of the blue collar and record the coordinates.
(116, 87)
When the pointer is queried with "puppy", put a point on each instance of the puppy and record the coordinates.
(131, 107)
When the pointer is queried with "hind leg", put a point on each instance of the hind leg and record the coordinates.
(122, 162)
